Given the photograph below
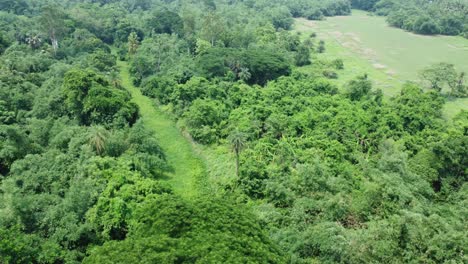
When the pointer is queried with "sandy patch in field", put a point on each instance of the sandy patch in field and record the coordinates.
(391, 72)
(336, 34)
(349, 45)
(354, 37)
(379, 66)
(369, 52)
(457, 47)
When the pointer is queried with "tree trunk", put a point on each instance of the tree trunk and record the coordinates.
(55, 46)
(54, 42)
(237, 163)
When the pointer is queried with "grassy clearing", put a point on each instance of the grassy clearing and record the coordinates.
(221, 165)
(188, 169)
(389, 56)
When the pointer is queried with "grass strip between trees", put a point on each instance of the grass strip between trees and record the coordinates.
(188, 169)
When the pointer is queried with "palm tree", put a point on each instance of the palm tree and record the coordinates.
(97, 139)
(34, 41)
(244, 74)
(114, 79)
(133, 43)
(237, 140)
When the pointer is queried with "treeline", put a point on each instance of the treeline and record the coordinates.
(446, 17)
(314, 9)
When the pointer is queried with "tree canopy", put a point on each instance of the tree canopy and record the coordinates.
(299, 166)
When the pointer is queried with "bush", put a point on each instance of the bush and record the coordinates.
(91, 99)
(338, 64)
(314, 14)
(426, 26)
(158, 87)
(101, 60)
(204, 118)
(330, 74)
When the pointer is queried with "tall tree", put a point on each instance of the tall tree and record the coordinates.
(302, 56)
(440, 76)
(133, 43)
(213, 27)
(53, 23)
(237, 140)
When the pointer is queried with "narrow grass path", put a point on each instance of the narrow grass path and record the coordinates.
(188, 168)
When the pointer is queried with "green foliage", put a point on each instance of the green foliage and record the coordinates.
(14, 145)
(165, 22)
(53, 24)
(364, 4)
(205, 119)
(158, 55)
(330, 74)
(303, 56)
(159, 87)
(450, 152)
(201, 231)
(17, 7)
(17, 247)
(338, 64)
(359, 88)
(417, 109)
(133, 43)
(329, 175)
(102, 61)
(319, 158)
(83, 41)
(443, 76)
(281, 18)
(446, 17)
(304, 8)
(115, 207)
(213, 27)
(3, 43)
(321, 47)
(153, 249)
(92, 101)
(263, 65)
(54, 193)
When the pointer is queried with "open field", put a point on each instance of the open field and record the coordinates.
(390, 56)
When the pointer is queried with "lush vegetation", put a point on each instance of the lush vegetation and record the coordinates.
(447, 17)
(323, 173)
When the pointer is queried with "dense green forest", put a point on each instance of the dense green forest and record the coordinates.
(323, 174)
(446, 17)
